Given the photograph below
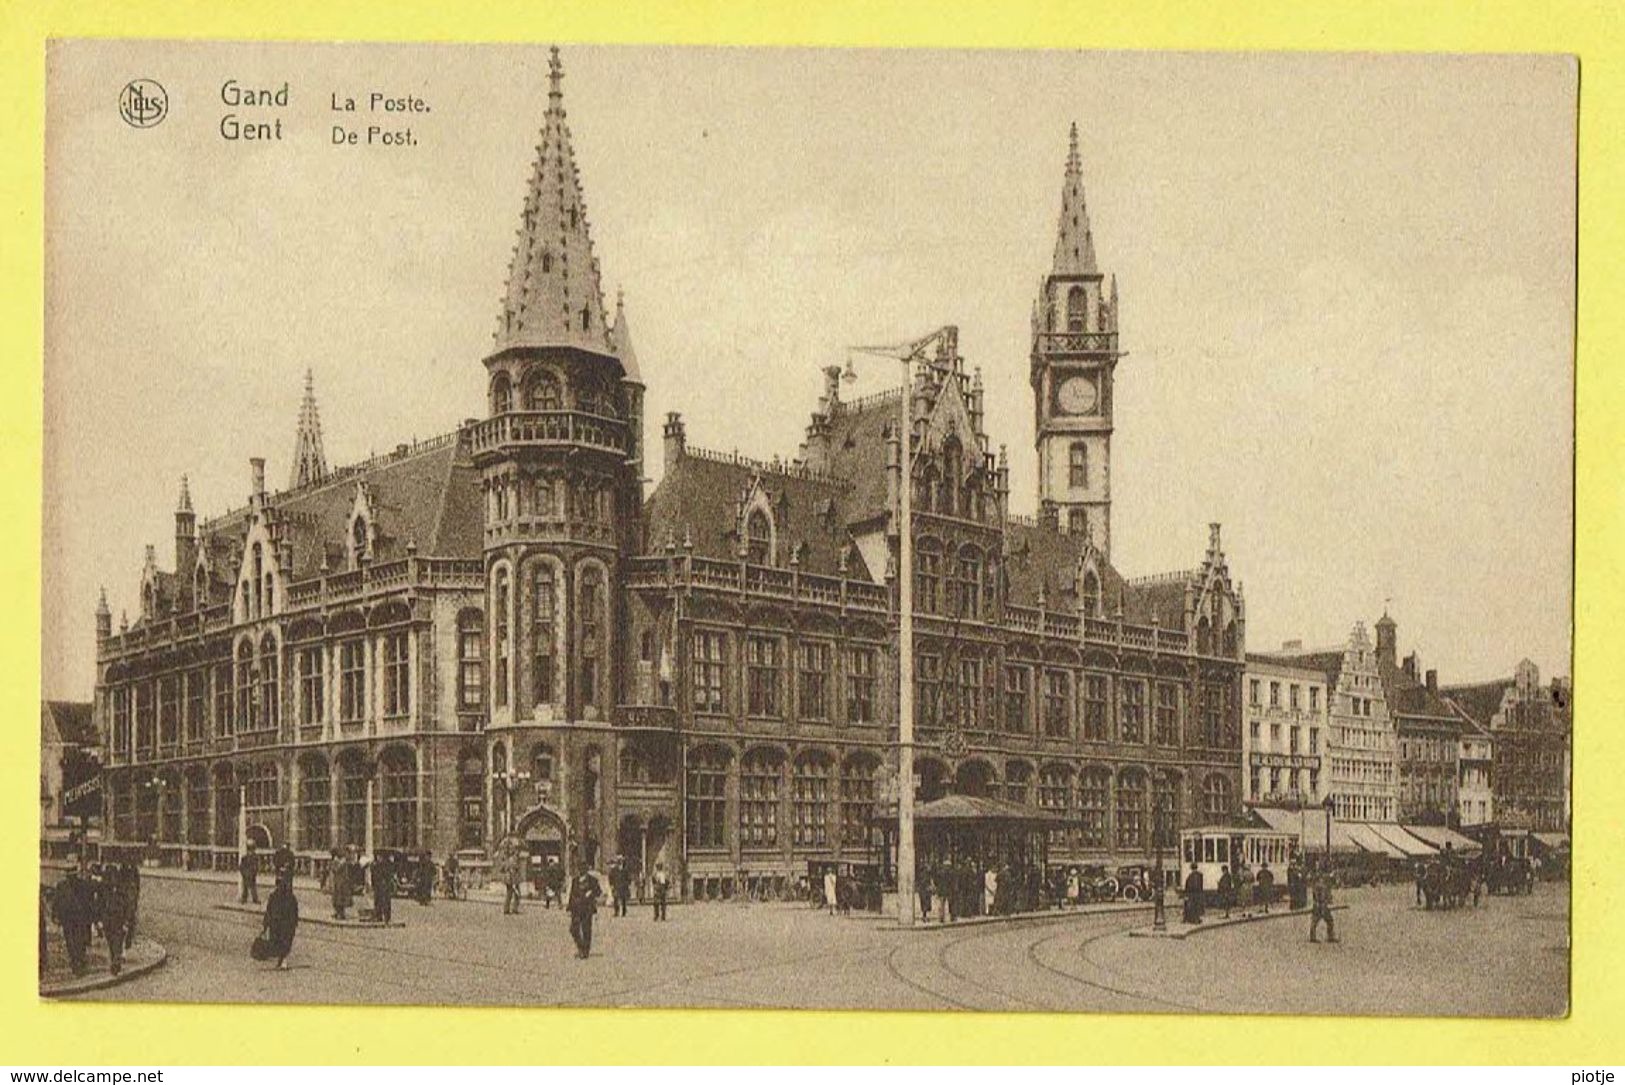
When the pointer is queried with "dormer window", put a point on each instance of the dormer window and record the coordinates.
(501, 394)
(358, 540)
(758, 539)
(1091, 594)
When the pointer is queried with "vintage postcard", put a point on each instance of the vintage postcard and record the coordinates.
(808, 528)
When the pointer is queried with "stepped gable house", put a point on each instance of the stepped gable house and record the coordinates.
(496, 631)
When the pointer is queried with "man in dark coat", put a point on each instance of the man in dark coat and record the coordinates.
(340, 872)
(1227, 891)
(282, 919)
(423, 878)
(620, 881)
(1266, 884)
(1193, 896)
(582, 905)
(113, 906)
(282, 861)
(1321, 885)
(248, 867)
(383, 888)
(1297, 889)
(73, 906)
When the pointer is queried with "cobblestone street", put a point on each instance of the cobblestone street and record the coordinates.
(1508, 957)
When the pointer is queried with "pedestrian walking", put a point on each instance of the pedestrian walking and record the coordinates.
(1420, 874)
(990, 890)
(1266, 885)
(281, 919)
(513, 875)
(1244, 887)
(113, 907)
(662, 886)
(1193, 896)
(829, 889)
(383, 889)
(132, 887)
(339, 874)
(1227, 890)
(583, 904)
(449, 874)
(924, 889)
(1321, 887)
(620, 883)
(73, 906)
(423, 878)
(282, 861)
(248, 869)
(1296, 886)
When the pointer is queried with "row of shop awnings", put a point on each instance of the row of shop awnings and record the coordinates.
(1388, 839)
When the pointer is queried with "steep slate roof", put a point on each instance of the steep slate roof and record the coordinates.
(857, 452)
(553, 276)
(1407, 697)
(1480, 701)
(1328, 661)
(427, 494)
(71, 721)
(698, 499)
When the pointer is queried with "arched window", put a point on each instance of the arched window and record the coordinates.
(857, 798)
(501, 394)
(315, 796)
(541, 765)
(1055, 793)
(544, 605)
(1204, 636)
(591, 627)
(243, 684)
(1218, 796)
(200, 587)
(1165, 807)
(810, 797)
(1077, 309)
(586, 314)
(1131, 798)
(400, 795)
(542, 392)
(928, 576)
(501, 613)
(758, 538)
(354, 774)
(965, 590)
(953, 472)
(270, 673)
(358, 538)
(471, 660)
(471, 800)
(759, 776)
(259, 580)
(225, 806)
(1094, 804)
(707, 797)
(1018, 781)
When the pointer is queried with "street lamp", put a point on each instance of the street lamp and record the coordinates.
(1159, 909)
(509, 779)
(1327, 806)
(905, 353)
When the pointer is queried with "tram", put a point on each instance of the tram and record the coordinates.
(1215, 848)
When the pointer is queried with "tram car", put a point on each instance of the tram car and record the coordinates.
(1215, 848)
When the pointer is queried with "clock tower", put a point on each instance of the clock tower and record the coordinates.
(1073, 358)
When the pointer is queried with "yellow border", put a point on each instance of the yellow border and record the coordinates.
(155, 1034)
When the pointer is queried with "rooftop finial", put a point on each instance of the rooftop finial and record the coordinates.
(309, 461)
(186, 498)
(1074, 161)
(555, 75)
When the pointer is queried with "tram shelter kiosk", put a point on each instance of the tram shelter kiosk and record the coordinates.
(986, 832)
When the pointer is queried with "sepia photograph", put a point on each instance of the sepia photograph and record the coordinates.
(808, 528)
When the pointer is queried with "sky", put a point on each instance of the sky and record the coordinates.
(1347, 291)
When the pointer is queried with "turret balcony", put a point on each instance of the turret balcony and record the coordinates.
(550, 429)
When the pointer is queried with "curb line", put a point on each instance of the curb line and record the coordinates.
(83, 984)
(1221, 924)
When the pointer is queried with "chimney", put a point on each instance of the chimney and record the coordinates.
(676, 440)
(1433, 681)
(1292, 646)
(257, 467)
(1413, 666)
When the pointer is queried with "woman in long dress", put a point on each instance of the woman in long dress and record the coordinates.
(282, 919)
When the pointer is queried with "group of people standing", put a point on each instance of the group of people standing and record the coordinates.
(104, 897)
(959, 890)
(1240, 889)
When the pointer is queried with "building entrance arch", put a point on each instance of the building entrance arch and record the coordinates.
(259, 835)
(543, 831)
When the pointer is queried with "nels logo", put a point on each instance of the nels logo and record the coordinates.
(143, 103)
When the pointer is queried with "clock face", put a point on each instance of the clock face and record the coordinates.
(1076, 395)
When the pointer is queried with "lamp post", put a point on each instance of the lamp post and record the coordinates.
(906, 354)
(1159, 909)
(509, 779)
(1327, 806)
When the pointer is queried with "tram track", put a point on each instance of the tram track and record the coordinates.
(1083, 951)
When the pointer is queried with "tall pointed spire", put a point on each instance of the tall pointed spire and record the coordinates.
(185, 504)
(309, 462)
(620, 337)
(553, 296)
(1074, 244)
